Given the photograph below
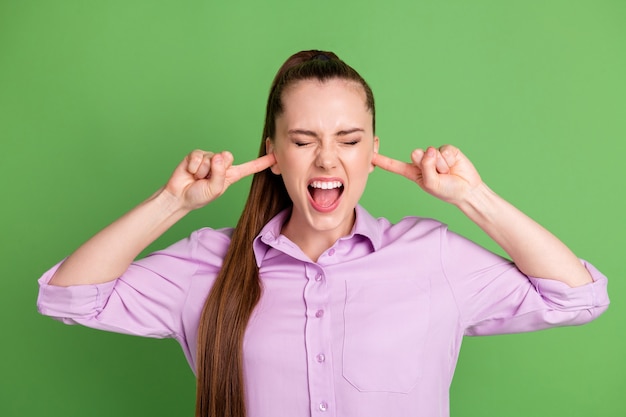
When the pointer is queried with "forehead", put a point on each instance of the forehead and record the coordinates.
(314, 88)
(324, 104)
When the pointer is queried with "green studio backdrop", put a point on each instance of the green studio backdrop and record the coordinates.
(100, 100)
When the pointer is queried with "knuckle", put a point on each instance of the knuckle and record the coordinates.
(195, 156)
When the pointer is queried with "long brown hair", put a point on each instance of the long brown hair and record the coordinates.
(237, 289)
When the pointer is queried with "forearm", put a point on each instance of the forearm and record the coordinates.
(535, 251)
(109, 253)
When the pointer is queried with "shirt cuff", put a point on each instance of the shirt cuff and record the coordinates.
(73, 302)
(563, 297)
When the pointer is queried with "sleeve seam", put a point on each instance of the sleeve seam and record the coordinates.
(194, 251)
(442, 230)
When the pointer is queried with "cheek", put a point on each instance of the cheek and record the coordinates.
(287, 166)
(283, 162)
(361, 171)
(292, 171)
(360, 161)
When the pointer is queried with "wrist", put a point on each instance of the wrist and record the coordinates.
(480, 201)
(169, 204)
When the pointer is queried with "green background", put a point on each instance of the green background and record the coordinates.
(99, 100)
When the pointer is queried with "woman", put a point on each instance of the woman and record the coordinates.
(313, 305)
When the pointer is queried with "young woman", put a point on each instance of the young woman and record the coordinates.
(310, 306)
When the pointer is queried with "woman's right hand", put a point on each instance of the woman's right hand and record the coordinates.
(199, 179)
(203, 176)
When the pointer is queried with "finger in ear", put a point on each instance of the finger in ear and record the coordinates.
(269, 149)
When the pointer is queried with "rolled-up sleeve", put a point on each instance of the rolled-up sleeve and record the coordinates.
(494, 297)
(69, 303)
(147, 300)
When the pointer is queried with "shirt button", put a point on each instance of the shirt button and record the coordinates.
(319, 314)
(331, 252)
(319, 277)
(323, 406)
(320, 358)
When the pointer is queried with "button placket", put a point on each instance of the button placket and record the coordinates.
(317, 340)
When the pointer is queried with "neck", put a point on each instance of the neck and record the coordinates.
(313, 242)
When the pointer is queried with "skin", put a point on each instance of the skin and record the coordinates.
(324, 134)
(448, 175)
(312, 143)
(200, 178)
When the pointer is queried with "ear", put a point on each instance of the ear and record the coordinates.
(269, 149)
(376, 146)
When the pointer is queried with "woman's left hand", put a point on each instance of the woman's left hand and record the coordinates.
(445, 172)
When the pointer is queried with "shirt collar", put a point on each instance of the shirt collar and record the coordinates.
(364, 225)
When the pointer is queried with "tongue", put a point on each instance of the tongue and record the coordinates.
(325, 198)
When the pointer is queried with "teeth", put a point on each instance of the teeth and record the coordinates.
(326, 185)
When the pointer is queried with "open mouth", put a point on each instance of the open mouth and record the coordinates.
(325, 194)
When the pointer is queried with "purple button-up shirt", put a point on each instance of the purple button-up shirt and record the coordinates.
(373, 328)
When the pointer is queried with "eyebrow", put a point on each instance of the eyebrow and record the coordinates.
(305, 132)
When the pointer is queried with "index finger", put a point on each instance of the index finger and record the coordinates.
(407, 170)
(252, 167)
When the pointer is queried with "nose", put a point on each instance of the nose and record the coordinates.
(326, 156)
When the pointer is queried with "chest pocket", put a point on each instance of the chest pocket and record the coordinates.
(386, 324)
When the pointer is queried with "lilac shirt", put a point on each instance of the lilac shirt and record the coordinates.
(372, 328)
